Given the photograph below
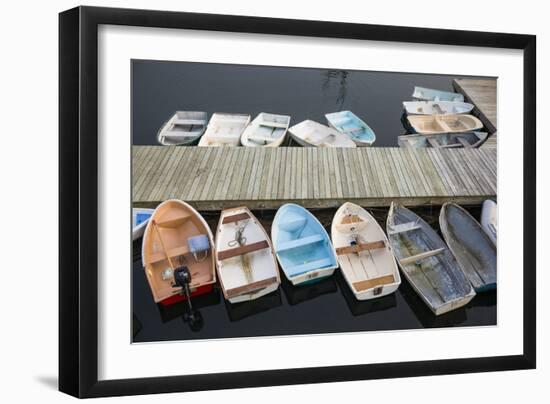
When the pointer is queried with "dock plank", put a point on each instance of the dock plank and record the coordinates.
(215, 178)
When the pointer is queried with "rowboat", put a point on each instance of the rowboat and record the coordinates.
(140, 217)
(224, 129)
(364, 254)
(266, 130)
(435, 124)
(444, 141)
(428, 94)
(489, 219)
(425, 261)
(348, 123)
(247, 267)
(437, 107)
(183, 128)
(177, 253)
(473, 249)
(313, 134)
(302, 245)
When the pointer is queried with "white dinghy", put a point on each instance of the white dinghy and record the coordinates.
(364, 254)
(489, 219)
(247, 266)
(266, 130)
(437, 107)
(313, 134)
(224, 129)
(183, 128)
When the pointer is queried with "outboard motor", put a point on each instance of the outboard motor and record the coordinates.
(182, 278)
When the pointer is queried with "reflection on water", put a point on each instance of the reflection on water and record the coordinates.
(338, 79)
(302, 293)
(181, 310)
(240, 311)
(361, 307)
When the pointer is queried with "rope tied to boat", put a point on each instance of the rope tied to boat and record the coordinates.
(240, 240)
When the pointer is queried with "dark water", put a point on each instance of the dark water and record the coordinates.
(161, 88)
(325, 307)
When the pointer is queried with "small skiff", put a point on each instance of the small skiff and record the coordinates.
(183, 128)
(266, 130)
(348, 123)
(313, 134)
(428, 94)
(140, 217)
(247, 267)
(364, 254)
(466, 140)
(435, 124)
(437, 107)
(177, 253)
(489, 219)
(425, 261)
(472, 248)
(302, 245)
(224, 129)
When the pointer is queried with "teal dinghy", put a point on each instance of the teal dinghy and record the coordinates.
(429, 94)
(350, 124)
(302, 245)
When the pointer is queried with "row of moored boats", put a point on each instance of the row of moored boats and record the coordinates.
(435, 119)
(182, 258)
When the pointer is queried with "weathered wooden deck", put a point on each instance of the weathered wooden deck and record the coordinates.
(483, 94)
(212, 178)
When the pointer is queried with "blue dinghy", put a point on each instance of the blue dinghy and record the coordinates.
(350, 124)
(429, 94)
(302, 245)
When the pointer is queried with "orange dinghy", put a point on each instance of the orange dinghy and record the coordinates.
(177, 253)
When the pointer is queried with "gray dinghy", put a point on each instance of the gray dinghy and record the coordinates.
(425, 261)
(473, 249)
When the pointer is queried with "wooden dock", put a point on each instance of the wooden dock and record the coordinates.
(483, 94)
(212, 178)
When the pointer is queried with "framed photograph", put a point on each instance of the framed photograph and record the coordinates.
(252, 201)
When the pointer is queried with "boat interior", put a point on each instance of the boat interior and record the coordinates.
(176, 236)
(186, 124)
(301, 245)
(425, 259)
(269, 127)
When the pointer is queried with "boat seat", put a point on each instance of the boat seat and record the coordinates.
(361, 286)
(357, 248)
(235, 218)
(354, 129)
(155, 257)
(241, 250)
(421, 256)
(300, 242)
(188, 122)
(251, 288)
(274, 125)
(309, 266)
(258, 138)
(404, 227)
(292, 223)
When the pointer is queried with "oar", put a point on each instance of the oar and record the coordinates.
(182, 276)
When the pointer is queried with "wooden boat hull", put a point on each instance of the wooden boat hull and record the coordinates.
(436, 124)
(140, 218)
(437, 107)
(348, 123)
(489, 219)
(443, 141)
(183, 128)
(224, 130)
(246, 270)
(266, 130)
(178, 231)
(302, 245)
(313, 134)
(472, 248)
(364, 253)
(429, 94)
(426, 263)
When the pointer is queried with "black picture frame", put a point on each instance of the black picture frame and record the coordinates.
(78, 195)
